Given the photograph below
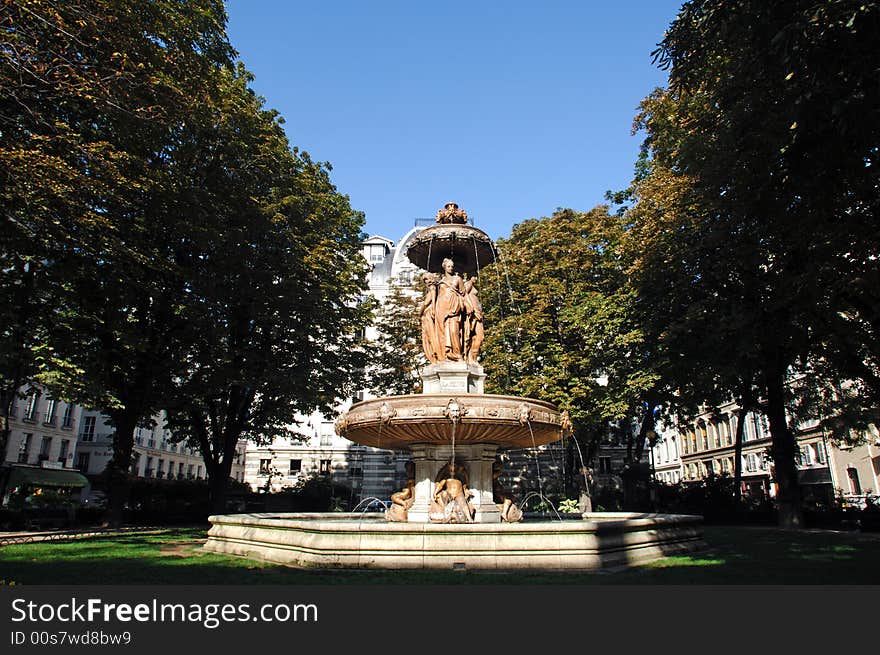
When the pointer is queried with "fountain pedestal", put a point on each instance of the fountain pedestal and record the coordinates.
(477, 459)
(452, 377)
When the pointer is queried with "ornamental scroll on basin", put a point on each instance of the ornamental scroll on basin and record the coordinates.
(452, 426)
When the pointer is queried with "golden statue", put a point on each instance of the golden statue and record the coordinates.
(427, 313)
(402, 500)
(450, 502)
(473, 325)
(449, 311)
(510, 513)
(451, 214)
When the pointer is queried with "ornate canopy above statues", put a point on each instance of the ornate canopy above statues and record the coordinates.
(469, 247)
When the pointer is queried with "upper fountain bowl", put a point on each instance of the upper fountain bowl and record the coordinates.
(470, 247)
(398, 422)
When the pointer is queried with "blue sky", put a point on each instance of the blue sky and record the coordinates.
(511, 109)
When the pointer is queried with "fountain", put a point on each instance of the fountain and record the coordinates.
(453, 512)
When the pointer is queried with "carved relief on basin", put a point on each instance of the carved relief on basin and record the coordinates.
(400, 421)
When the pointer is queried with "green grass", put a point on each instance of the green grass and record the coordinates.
(736, 555)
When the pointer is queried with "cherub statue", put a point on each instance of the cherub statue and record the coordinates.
(402, 500)
(510, 513)
(451, 498)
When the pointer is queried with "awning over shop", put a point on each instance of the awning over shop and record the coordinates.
(38, 477)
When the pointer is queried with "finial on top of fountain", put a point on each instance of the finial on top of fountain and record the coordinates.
(451, 214)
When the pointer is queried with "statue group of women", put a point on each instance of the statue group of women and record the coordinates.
(452, 317)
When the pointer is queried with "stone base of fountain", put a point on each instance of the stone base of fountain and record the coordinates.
(594, 542)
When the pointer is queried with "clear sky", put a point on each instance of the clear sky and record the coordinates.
(509, 108)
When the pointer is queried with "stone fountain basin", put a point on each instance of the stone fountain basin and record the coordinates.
(598, 541)
(397, 422)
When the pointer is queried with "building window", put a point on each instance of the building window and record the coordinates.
(855, 486)
(324, 467)
(67, 419)
(148, 468)
(714, 441)
(25, 448)
(751, 463)
(180, 471)
(296, 466)
(265, 465)
(356, 472)
(64, 451)
(30, 410)
(45, 446)
(820, 452)
(49, 418)
(807, 456)
(604, 465)
(135, 462)
(160, 469)
(189, 472)
(82, 462)
(761, 428)
(87, 431)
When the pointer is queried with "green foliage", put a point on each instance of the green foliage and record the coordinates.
(573, 321)
(274, 280)
(569, 506)
(574, 337)
(396, 355)
(755, 224)
(163, 246)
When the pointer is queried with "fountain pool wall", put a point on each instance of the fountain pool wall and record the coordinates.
(594, 542)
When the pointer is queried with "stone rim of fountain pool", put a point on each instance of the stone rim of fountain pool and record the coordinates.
(346, 540)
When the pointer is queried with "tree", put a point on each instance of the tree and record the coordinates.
(756, 219)
(274, 289)
(573, 338)
(396, 354)
(98, 105)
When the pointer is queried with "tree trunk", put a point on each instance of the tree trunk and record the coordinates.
(219, 485)
(118, 471)
(783, 448)
(632, 474)
(737, 457)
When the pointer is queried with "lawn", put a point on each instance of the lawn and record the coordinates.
(735, 555)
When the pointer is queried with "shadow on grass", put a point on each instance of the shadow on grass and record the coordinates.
(735, 556)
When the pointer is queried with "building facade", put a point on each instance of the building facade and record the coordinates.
(43, 431)
(155, 453)
(52, 434)
(691, 452)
